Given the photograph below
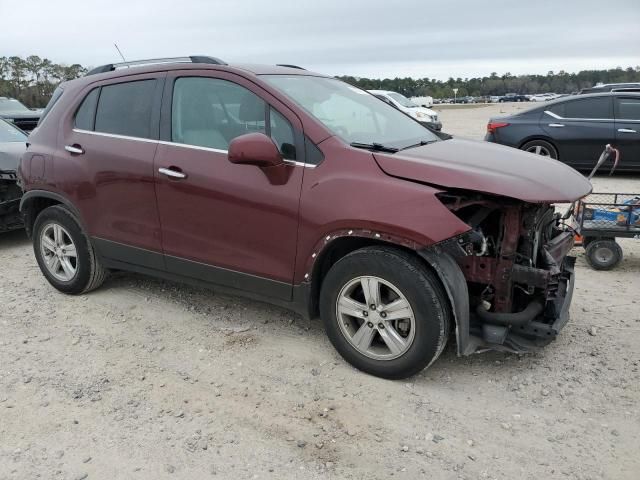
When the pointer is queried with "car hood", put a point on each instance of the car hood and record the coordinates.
(10, 153)
(489, 168)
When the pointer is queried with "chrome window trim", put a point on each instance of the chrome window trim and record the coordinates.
(550, 113)
(114, 135)
(195, 147)
(183, 145)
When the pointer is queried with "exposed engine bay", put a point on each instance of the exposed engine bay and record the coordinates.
(517, 270)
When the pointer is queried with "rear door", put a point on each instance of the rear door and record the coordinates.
(580, 129)
(112, 143)
(627, 113)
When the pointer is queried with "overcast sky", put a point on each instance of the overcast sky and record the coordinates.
(373, 38)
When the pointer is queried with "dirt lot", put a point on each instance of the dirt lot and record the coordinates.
(149, 379)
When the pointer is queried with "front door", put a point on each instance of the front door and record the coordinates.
(222, 222)
(627, 113)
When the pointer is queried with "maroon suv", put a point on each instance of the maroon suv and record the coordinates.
(301, 190)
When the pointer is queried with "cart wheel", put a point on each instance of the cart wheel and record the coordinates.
(603, 254)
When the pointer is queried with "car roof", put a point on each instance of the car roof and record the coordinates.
(380, 91)
(124, 69)
(589, 95)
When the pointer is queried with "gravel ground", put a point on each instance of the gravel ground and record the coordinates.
(150, 379)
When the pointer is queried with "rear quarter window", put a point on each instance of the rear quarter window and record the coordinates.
(125, 109)
(85, 116)
(54, 99)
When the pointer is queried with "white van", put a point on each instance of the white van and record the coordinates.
(423, 115)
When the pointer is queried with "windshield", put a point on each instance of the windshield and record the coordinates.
(12, 105)
(402, 100)
(9, 133)
(353, 114)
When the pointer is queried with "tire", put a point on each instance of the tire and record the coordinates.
(603, 254)
(540, 147)
(58, 222)
(424, 335)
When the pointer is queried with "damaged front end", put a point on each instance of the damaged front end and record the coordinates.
(10, 194)
(518, 274)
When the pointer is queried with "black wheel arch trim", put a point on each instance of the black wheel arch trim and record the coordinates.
(32, 195)
(455, 286)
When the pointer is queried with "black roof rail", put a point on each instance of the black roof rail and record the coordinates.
(288, 65)
(151, 61)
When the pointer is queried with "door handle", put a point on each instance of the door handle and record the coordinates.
(170, 172)
(75, 148)
(556, 125)
(626, 130)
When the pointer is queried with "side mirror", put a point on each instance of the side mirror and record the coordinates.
(254, 149)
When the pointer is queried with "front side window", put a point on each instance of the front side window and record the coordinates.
(350, 113)
(627, 108)
(209, 112)
(125, 109)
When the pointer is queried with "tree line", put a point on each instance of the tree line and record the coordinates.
(32, 80)
(560, 82)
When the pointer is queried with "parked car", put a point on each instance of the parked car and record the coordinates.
(15, 112)
(465, 99)
(513, 97)
(542, 97)
(304, 191)
(494, 98)
(609, 87)
(12, 146)
(574, 129)
(423, 115)
(424, 101)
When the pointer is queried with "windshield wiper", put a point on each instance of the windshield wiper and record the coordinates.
(420, 144)
(378, 147)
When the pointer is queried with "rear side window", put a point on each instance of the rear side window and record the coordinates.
(628, 108)
(54, 99)
(599, 107)
(85, 115)
(125, 109)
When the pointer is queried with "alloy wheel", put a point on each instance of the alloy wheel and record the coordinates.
(539, 150)
(375, 318)
(59, 252)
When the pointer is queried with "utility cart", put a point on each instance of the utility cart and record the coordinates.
(600, 219)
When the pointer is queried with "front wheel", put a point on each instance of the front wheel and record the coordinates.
(64, 253)
(385, 312)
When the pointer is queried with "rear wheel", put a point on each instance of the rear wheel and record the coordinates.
(540, 147)
(64, 253)
(603, 254)
(385, 312)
